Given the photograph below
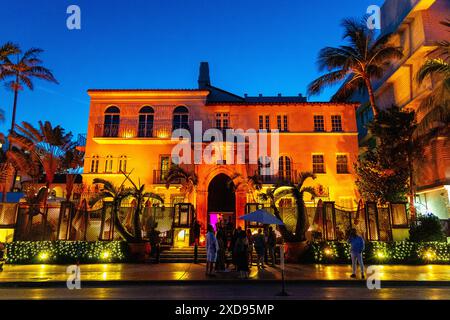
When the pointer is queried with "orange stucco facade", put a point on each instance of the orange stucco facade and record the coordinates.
(124, 137)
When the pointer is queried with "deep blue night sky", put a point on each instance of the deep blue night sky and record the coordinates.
(252, 46)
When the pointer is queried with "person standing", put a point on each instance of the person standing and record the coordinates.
(241, 250)
(155, 243)
(271, 245)
(212, 248)
(196, 232)
(250, 247)
(221, 255)
(233, 246)
(356, 249)
(260, 248)
(266, 239)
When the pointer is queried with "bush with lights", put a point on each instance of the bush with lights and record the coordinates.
(336, 252)
(65, 252)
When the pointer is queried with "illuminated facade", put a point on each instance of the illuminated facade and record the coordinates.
(416, 27)
(130, 131)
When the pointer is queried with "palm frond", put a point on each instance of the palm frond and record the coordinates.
(303, 176)
(107, 185)
(154, 196)
(433, 66)
(318, 85)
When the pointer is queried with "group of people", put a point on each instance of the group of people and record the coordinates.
(240, 245)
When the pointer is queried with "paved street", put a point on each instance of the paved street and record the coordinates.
(236, 291)
(195, 272)
(188, 281)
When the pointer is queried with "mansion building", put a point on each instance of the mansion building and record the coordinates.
(130, 131)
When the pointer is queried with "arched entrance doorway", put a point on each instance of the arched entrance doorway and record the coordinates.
(221, 200)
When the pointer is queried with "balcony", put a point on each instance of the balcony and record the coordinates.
(160, 176)
(129, 131)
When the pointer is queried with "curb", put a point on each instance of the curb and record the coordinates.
(132, 283)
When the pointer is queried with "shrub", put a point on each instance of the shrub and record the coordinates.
(427, 228)
(66, 252)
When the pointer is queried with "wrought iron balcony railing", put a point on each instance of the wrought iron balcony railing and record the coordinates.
(160, 129)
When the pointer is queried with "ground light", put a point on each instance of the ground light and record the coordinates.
(380, 255)
(43, 256)
(106, 255)
(430, 255)
(328, 252)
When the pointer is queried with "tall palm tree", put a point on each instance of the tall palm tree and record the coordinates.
(357, 63)
(23, 70)
(47, 144)
(436, 107)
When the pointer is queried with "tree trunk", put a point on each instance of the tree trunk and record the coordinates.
(16, 93)
(371, 97)
(122, 231)
(137, 222)
(301, 217)
(412, 191)
(287, 236)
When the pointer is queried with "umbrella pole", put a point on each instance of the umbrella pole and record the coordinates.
(283, 292)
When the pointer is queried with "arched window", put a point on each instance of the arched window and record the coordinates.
(285, 168)
(109, 164)
(94, 164)
(146, 119)
(123, 164)
(181, 118)
(264, 168)
(111, 122)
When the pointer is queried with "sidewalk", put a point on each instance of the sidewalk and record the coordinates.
(121, 274)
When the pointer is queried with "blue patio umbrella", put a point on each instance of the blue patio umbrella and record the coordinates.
(262, 216)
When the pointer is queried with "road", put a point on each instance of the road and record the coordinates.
(236, 291)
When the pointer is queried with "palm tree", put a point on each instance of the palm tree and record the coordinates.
(297, 190)
(436, 107)
(120, 193)
(357, 63)
(250, 184)
(137, 192)
(72, 166)
(47, 144)
(188, 180)
(272, 195)
(5, 51)
(117, 194)
(23, 70)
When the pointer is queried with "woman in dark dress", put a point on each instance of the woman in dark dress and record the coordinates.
(241, 251)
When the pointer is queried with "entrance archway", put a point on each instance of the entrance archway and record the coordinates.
(221, 200)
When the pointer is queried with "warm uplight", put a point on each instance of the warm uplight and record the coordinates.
(380, 255)
(202, 240)
(106, 255)
(328, 252)
(430, 255)
(43, 256)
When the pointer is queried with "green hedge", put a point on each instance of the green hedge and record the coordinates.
(66, 252)
(332, 252)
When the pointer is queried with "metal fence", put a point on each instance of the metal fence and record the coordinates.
(69, 221)
(66, 221)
